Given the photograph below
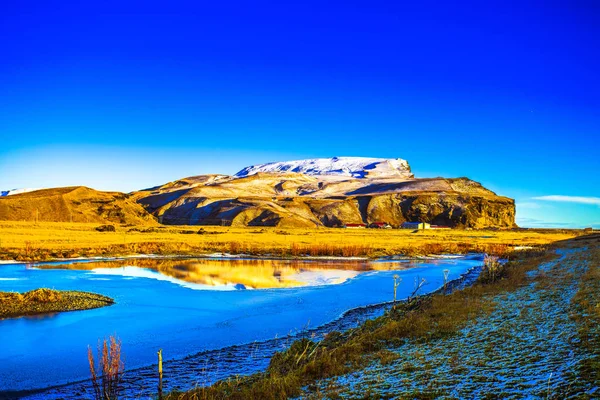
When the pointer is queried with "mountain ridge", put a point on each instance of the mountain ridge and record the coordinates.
(329, 192)
(303, 193)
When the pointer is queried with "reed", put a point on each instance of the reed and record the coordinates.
(106, 376)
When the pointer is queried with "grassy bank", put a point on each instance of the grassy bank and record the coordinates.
(43, 241)
(585, 312)
(435, 332)
(45, 301)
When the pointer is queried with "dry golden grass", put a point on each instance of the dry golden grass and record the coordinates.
(34, 296)
(106, 376)
(45, 240)
(44, 301)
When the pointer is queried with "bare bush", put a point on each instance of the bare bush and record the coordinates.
(106, 376)
(491, 267)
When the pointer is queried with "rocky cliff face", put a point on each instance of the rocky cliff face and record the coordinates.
(446, 209)
(320, 195)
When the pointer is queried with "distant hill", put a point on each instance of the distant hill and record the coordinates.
(327, 192)
(76, 204)
(304, 193)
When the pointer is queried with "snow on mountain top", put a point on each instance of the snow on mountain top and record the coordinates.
(15, 191)
(355, 167)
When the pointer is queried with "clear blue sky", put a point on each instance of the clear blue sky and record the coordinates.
(124, 97)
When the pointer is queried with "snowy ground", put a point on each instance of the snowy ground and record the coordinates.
(525, 348)
(15, 191)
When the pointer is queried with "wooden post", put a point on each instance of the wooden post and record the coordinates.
(160, 375)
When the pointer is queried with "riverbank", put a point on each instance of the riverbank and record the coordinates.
(537, 341)
(208, 367)
(26, 241)
(48, 301)
(457, 345)
(194, 321)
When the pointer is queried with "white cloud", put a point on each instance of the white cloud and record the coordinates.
(570, 199)
(539, 223)
(530, 205)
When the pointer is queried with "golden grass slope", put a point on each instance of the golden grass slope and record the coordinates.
(74, 204)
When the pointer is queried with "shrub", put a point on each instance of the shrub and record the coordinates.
(42, 296)
(491, 268)
(106, 228)
(106, 377)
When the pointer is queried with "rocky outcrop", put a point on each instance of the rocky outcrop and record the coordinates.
(446, 209)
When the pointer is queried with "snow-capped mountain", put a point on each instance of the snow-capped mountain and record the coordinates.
(16, 191)
(355, 167)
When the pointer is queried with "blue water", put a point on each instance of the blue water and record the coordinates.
(151, 314)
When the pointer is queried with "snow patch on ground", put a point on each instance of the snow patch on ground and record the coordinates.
(520, 248)
(12, 192)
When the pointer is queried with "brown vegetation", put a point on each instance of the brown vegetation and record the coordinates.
(43, 301)
(106, 376)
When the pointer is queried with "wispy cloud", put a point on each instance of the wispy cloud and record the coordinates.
(530, 205)
(570, 199)
(538, 223)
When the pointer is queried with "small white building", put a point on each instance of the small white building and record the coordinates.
(415, 225)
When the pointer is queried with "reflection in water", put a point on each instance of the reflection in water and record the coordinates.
(40, 317)
(234, 273)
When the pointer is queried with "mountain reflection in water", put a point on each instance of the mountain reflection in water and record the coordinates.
(234, 273)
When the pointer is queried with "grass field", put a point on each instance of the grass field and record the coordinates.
(46, 240)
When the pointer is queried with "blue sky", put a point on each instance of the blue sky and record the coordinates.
(125, 96)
